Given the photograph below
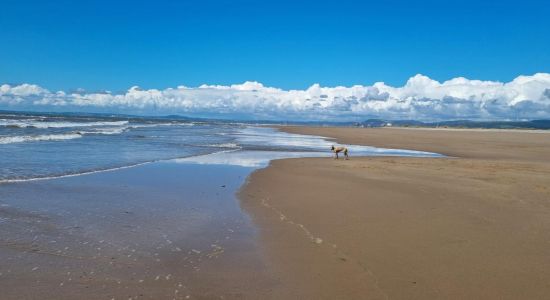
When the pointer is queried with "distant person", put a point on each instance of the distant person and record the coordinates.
(337, 150)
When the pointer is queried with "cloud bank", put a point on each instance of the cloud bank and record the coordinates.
(421, 98)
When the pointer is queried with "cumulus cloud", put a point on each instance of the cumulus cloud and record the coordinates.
(422, 98)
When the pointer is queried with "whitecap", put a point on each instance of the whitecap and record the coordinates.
(225, 145)
(35, 138)
(47, 124)
(106, 131)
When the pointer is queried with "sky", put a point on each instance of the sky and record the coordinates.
(90, 47)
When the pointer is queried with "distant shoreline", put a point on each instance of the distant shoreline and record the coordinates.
(471, 129)
(533, 124)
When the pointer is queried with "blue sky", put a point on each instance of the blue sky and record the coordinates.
(282, 60)
(113, 45)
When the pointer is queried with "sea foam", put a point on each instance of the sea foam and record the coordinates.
(33, 123)
(35, 138)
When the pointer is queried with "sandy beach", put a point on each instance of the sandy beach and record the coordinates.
(475, 225)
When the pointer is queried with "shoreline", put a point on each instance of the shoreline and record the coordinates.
(517, 130)
(91, 233)
(472, 226)
(109, 169)
(288, 237)
(473, 129)
(476, 144)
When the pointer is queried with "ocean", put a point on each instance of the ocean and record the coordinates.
(37, 146)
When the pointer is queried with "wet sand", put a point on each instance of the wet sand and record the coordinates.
(475, 226)
(158, 231)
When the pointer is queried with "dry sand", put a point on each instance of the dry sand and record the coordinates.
(476, 226)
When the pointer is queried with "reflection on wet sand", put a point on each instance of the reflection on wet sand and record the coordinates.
(163, 230)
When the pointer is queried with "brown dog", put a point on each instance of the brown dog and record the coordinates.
(337, 150)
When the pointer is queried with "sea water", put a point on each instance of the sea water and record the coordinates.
(35, 146)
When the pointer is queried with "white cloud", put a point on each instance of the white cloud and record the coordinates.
(420, 98)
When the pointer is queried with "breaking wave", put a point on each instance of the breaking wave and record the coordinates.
(225, 145)
(47, 124)
(35, 138)
(107, 131)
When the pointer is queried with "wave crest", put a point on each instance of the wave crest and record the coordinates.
(36, 138)
(48, 124)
